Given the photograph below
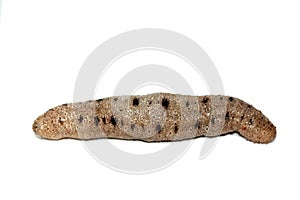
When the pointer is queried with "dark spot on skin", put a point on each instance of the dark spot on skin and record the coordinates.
(165, 103)
(60, 121)
(65, 104)
(98, 100)
(250, 122)
(80, 119)
(35, 126)
(249, 106)
(132, 126)
(176, 128)
(197, 125)
(242, 117)
(96, 120)
(213, 120)
(115, 99)
(150, 102)
(122, 123)
(103, 120)
(227, 116)
(221, 98)
(135, 102)
(205, 100)
(187, 104)
(113, 121)
(158, 128)
(231, 99)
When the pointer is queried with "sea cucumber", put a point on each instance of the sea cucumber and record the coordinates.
(157, 117)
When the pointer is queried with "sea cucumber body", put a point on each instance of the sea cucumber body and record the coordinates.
(155, 118)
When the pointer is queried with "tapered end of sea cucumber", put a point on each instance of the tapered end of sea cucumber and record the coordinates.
(259, 129)
(55, 124)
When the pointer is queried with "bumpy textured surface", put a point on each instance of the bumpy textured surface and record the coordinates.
(155, 118)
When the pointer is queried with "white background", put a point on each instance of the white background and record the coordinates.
(255, 46)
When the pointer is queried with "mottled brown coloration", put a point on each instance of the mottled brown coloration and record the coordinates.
(155, 118)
